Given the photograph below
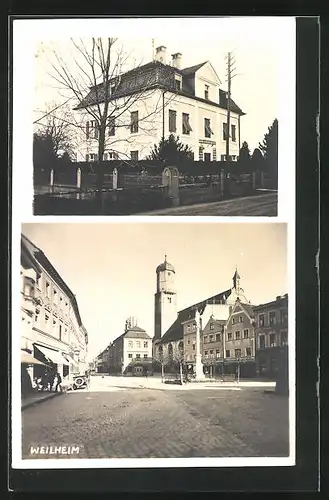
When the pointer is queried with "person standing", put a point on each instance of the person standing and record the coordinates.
(58, 382)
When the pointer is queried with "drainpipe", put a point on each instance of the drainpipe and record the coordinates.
(239, 134)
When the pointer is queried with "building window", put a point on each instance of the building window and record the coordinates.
(224, 131)
(248, 351)
(240, 319)
(145, 356)
(172, 120)
(245, 333)
(138, 356)
(261, 321)
(262, 341)
(55, 296)
(93, 157)
(130, 356)
(211, 352)
(188, 341)
(229, 336)
(60, 332)
(92, 131)
(47, 289)
(178, 84)
(111, 126)
(212, 326)
(272, 339)
(211, 338)
(283, 317)
(207, 157)
(222, 157)
(233, 133)
(138, 343)
(46, 319)
(134, 155)
(206, 354)
(186, 127)
(130, 344)
(237, 353)
(217, 353)
(237, 335)
(188, 328)
(146, 344)
(169, 300)
(205, 339)
(217, 337)
(227, 353)
(193, 346)
(272, 318)
(28, 287)
(206, 91)
(134, 122)
(207, 128)
(234, 157)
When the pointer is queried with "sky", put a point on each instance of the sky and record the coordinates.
(254, 41)
(110, 267)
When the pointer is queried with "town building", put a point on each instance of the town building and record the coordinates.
(51, 329)
(157, 99)
(271, 330)
(131, 352)
(178, 342)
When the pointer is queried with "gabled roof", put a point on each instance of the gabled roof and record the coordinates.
(150, 76)
(175, 331)
(136, 332)
(248, 308)
(218, 324)
(192, 69)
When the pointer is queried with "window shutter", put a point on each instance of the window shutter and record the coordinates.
(87, 130)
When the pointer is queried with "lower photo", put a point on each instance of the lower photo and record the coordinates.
(147, 344)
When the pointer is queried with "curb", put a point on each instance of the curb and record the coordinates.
(38, 401)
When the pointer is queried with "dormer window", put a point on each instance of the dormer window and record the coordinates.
(206, 91)
(178, 82)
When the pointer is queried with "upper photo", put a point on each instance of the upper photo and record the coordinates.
(170, 125)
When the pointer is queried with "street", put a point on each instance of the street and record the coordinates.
(260, 205)
(111, 421)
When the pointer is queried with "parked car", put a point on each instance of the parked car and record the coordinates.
(81, 381)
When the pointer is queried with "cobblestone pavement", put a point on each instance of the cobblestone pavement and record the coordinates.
(262, 205)
(137, 423)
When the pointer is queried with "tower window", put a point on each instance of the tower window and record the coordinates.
(169, 299)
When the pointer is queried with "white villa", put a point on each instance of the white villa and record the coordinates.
(158, 99)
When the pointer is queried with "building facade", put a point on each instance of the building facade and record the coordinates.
(131, 352)
(158, 99)
(54, 333)
(271, 322)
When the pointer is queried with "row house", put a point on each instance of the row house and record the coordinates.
(155, 100)
(271, 331)
(56, 334)
(131, 352)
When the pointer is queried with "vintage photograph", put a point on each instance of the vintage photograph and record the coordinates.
(160, 124)
(171, 342)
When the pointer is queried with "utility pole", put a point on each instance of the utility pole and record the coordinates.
(230, 62)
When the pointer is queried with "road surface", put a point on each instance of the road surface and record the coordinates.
(142, 423)
(259, 205)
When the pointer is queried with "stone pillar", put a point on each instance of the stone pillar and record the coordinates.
(170, 182)
(199, 375)
(79, 178)
(115, 179)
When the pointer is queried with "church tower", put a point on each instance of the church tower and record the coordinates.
(165, 303)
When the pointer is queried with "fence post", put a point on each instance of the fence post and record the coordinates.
(51, 182)
(78, 183)
(115, 178)
(222, 182)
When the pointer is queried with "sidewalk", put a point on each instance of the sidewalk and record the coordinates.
(37, 397)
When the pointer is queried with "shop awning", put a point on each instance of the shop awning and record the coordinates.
(53, 356)
(69, 359)
(28, 359)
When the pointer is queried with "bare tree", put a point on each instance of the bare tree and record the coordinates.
(57, 122)
(94, 79)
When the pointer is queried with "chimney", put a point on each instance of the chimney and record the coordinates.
(161, 54)
(177, 60)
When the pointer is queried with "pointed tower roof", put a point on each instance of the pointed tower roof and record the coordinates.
(165, 266)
